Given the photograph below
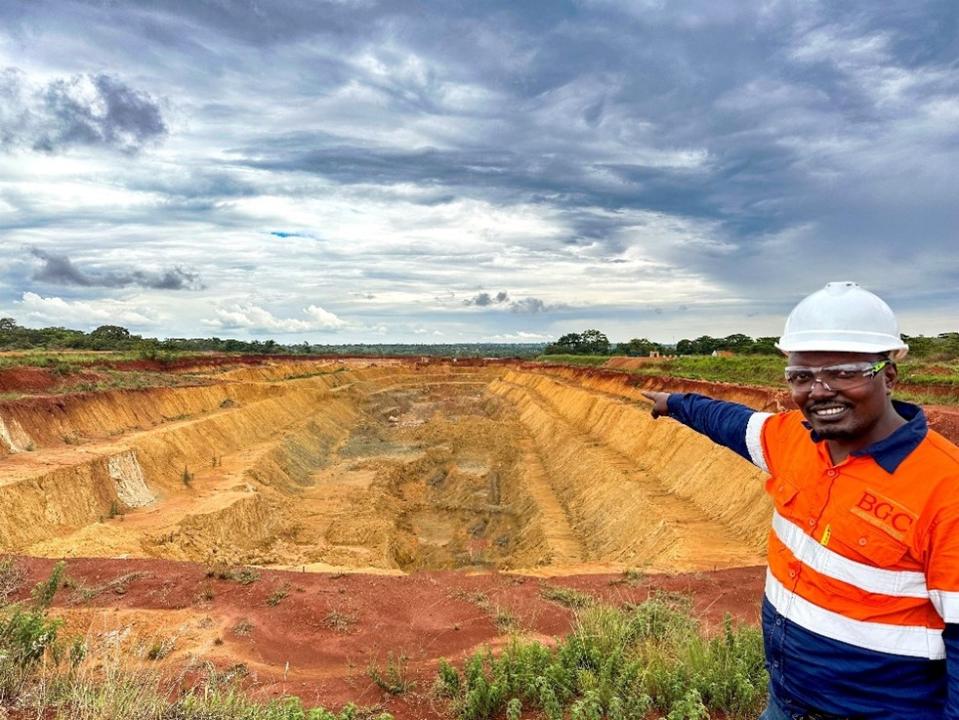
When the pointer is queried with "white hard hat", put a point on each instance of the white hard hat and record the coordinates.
(843, 317)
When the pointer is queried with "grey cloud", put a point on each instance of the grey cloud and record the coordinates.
(484, 299)
(529, 305)
(60, 270)
(83, 110)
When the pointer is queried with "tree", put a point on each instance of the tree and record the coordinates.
(8, 324)
(594, 343)
(638, 347)
(569, 344)
(736, 342)
(110, 332)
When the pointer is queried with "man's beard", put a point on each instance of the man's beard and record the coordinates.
(831, 433)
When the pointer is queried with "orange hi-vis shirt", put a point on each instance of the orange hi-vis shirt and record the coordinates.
(862, 587)
(870, 556)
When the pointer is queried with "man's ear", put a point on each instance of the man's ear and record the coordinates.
(890, 375)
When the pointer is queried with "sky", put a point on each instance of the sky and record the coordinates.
(334, 171)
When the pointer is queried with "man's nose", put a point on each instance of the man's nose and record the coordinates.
(820, 389)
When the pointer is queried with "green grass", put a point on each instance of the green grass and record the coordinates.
(591, 360)
(767, 371)
(567, 597)
(65, 360)
(617, 663)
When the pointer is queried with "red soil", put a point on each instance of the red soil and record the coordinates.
(425, 616)
(27, 379)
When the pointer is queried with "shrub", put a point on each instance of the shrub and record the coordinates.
(567, 597)
(392, 678)
(620, 664)
(27, 635)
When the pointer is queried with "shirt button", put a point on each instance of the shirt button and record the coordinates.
(831, 473)
(792, 573)
(779, 621)
(812, 522)
(862, 541)
(781, 488)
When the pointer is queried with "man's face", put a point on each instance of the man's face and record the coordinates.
(843, 414)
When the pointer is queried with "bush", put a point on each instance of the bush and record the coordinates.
(620, 664)
(27, 635)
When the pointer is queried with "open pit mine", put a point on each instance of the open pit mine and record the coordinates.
(380, 466)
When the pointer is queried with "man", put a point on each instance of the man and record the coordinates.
(861, 608)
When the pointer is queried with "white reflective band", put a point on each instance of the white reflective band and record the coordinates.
(909, 640)
(754, 439)
(900, 583)
(946, 603)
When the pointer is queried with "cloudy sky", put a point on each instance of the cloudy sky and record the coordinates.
(354, 170)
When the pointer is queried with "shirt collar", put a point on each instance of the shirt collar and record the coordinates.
(896, 447)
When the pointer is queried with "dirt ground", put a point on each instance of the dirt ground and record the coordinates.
(319, 640)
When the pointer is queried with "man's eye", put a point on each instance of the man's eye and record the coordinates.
(800, 377)
(840, 374)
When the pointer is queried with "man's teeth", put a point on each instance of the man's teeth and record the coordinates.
(830, 411)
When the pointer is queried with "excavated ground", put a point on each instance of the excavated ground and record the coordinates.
(392, 468)
(356, 471)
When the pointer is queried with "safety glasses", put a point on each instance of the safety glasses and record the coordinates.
(833, 377)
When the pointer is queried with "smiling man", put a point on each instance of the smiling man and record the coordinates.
(861, 609)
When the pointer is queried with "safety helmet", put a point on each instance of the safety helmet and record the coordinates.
(843, 317)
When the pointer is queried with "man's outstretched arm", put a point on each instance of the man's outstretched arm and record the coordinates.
(729, 424)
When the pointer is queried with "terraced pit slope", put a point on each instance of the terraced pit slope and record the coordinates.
(391, 466)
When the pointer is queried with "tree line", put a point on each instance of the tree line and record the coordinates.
(119, 339)
(944, 346)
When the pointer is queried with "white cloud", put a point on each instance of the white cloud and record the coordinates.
(256, 319)
(82, 313)
(520, 336)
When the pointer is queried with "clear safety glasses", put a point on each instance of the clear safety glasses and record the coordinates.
(833, 377)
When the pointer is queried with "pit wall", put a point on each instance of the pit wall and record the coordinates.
(46, 490)
(138, 445)
(717, 481)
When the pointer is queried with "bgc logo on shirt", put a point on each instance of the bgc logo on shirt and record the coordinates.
(883, 513)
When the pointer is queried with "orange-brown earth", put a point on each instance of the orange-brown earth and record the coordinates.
(390, 507)
(320, 639)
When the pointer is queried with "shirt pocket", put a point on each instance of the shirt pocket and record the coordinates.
(875, 546)
(783, 492)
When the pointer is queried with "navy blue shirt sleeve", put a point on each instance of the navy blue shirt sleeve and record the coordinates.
(722, 422)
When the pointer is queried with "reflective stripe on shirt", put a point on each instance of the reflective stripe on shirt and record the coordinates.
(900, 583)
(907, 640)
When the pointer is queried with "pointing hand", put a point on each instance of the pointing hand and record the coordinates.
(660, 409)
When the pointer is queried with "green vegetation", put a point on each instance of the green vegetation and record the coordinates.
(764, 370)
(619, 664)
(45, 675)
(567, 597)
(392, 678)
(242, 575)
(767, 371)
(339, 622)
(942, 348)
(276, 597)
(114, 343)
(591, 360)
